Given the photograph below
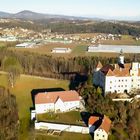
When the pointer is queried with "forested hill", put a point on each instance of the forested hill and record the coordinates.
(77, 26)
(8, 116)
(98, 27)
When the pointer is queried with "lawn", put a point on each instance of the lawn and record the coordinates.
(72, 117)
(22, 91)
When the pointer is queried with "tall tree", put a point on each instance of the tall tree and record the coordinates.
(13, 67)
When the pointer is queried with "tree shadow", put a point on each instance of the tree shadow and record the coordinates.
(85, 117)
(34, 92)
(76, 80)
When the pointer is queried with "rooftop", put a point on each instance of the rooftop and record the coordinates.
(52, 97)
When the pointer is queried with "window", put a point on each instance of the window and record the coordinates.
(119, 80)
(125, 85)
(110, 87)
(97, 134)
(118, 85)
(126, 80)
(121, 85)
(103, 136)
(122, 80)
(110, 82)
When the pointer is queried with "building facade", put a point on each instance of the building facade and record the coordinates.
(99, 127)
(118, 78)
(62, 101)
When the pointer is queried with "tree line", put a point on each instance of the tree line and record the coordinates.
(49, 66)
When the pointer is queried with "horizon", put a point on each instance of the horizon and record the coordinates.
(113, 10)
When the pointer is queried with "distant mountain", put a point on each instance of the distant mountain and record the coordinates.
(4, 15)
(26, 14)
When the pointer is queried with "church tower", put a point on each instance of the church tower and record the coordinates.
(121, 58)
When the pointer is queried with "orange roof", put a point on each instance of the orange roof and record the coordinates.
(99, 65)
(127, 65)
(121, 72)
(139, 73)
(92, 120)
(110, 73)
(52, 97)
(105, 125)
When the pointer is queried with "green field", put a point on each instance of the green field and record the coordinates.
(22, 91)
(72, 117)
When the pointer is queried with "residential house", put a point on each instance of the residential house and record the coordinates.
(99, 127)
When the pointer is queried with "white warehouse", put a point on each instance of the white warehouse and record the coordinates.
(61, 50)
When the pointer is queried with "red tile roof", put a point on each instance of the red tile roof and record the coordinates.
(105, 125)
(117, 71)
(110, 73)
(51, 97)
(122, 72)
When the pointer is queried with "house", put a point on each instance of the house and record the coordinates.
(61, 101)
(61, 50)
(99, 127)
(118, 78)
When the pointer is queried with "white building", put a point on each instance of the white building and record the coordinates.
(119, 78)
(61, 50)
(26, 45)
(92, 48)
(99, 127)
(8, 38)
(61, 101)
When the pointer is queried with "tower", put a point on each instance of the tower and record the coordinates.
(121, 58)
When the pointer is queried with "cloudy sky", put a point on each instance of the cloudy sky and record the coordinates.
(93, 8)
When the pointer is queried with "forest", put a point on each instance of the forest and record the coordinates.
(53, 67)
(8, 116)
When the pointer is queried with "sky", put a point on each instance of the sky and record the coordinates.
(90, 8)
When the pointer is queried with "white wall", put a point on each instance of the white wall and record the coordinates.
(62, 127)
(72, 105)
(43, 108)
(118, 84)
(58, 106)
(100, 134)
